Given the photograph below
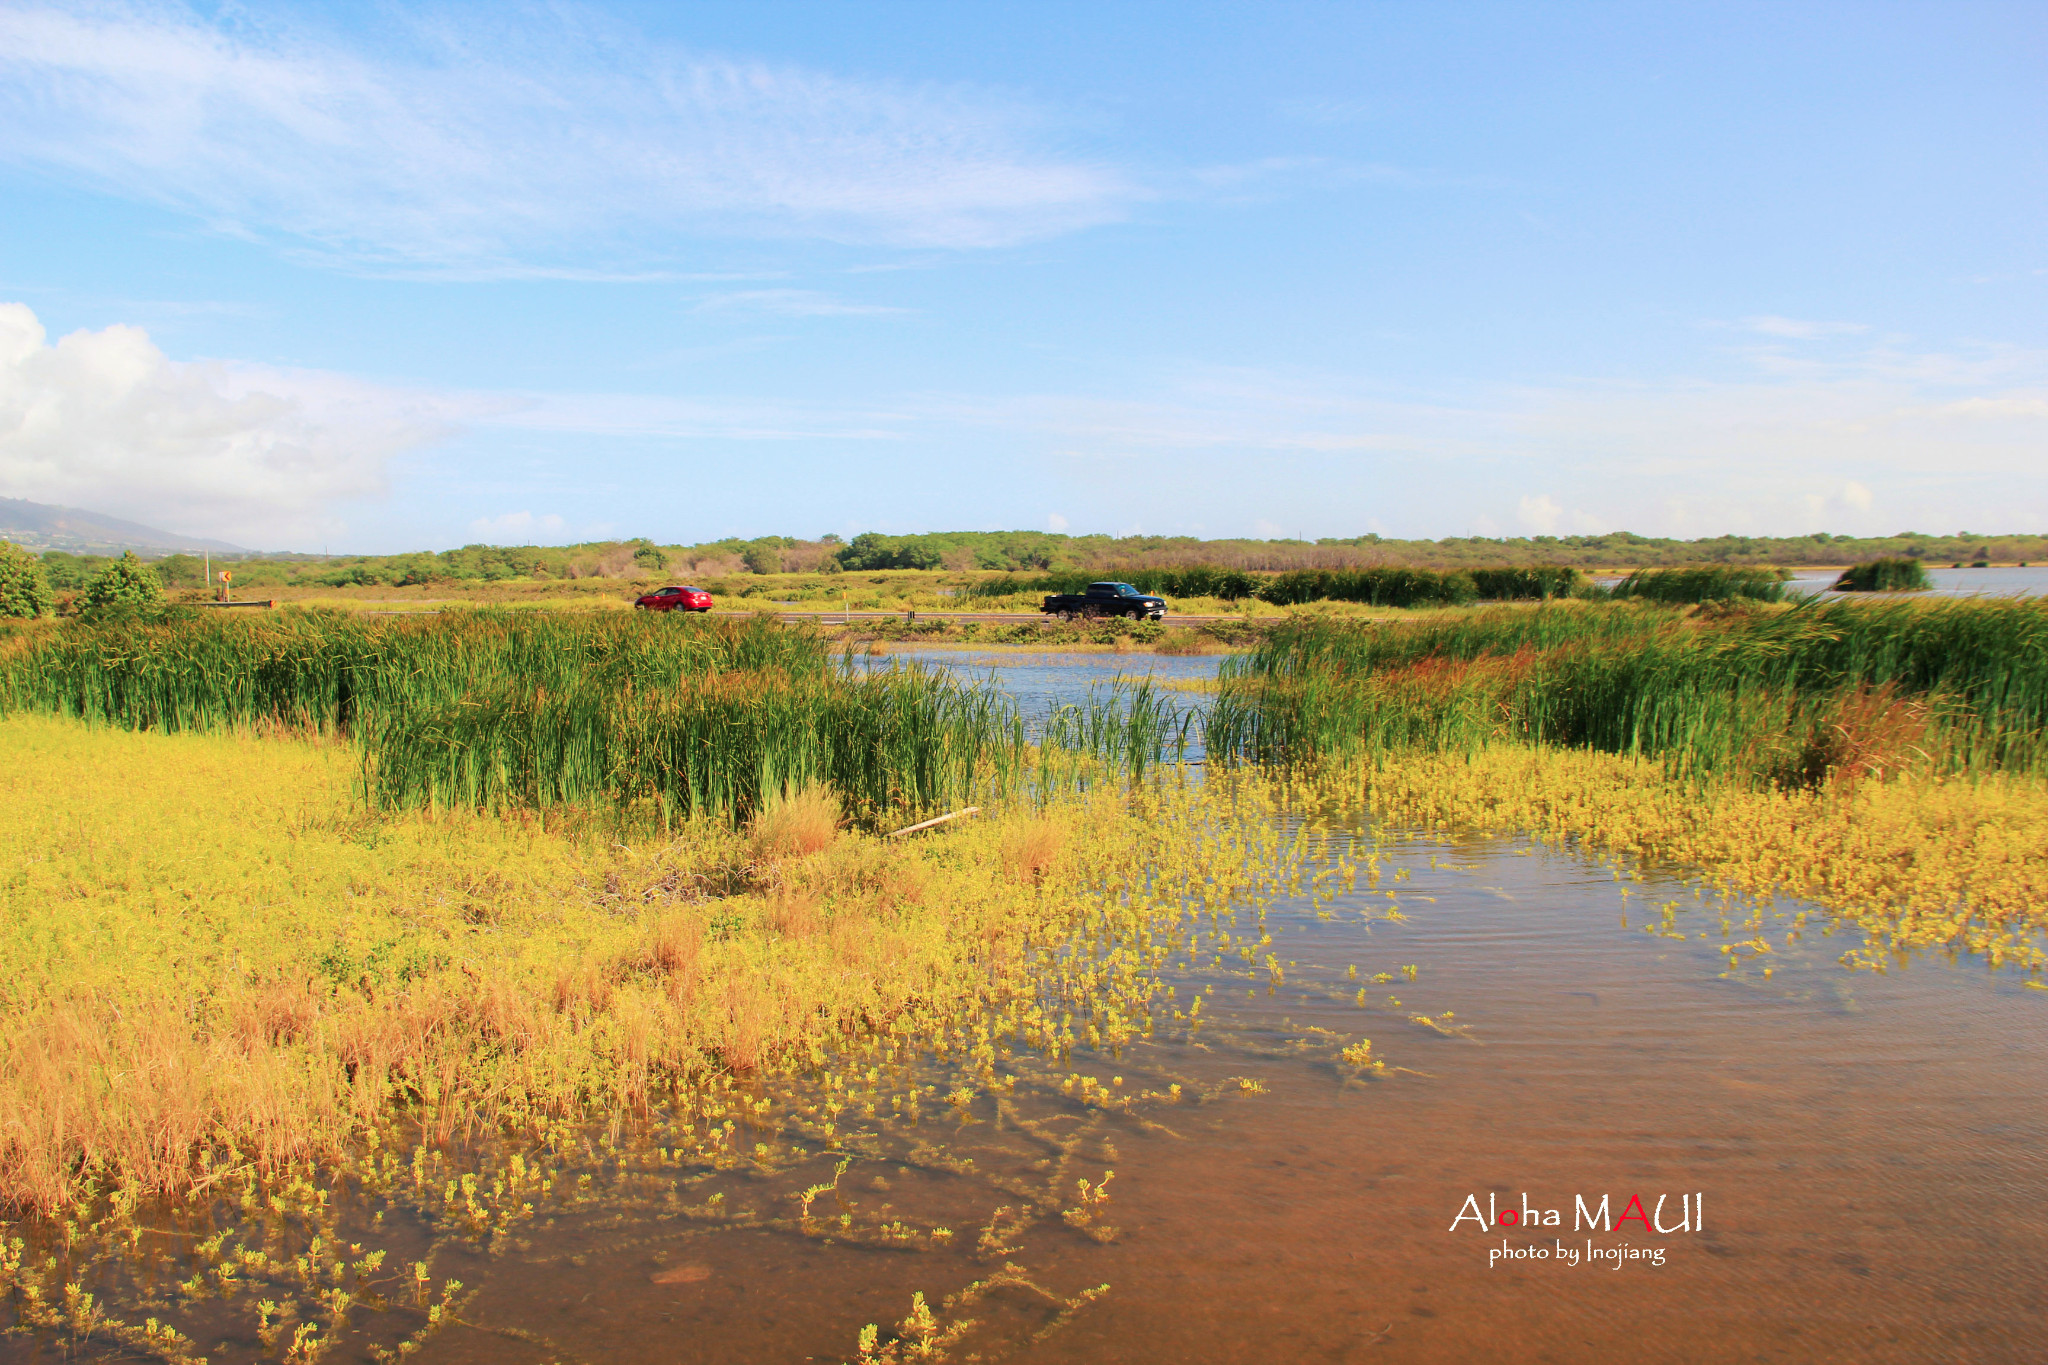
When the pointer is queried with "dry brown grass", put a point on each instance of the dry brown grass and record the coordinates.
(1030, 847)
(793, 912)
(801, 824)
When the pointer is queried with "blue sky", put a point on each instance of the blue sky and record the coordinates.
(382, 277)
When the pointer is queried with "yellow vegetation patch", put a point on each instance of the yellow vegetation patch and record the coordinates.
(219, 962)
(1918, 862)
(208, 945)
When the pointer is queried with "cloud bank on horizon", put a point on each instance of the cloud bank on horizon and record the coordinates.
(540, 275)
(104, 420)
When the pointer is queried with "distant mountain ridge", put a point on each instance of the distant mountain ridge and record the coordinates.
(42, 526)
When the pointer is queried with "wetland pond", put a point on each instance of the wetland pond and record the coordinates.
(2020, 580)
(1862, 1156)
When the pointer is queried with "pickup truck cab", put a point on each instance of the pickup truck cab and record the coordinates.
(1106, 599)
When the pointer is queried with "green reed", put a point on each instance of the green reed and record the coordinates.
(1128, 727)
(1781, 694)
(1711, 583)
(673, 716)
(329, 670)
(1892, 573)
(732, 743)
(496, 709)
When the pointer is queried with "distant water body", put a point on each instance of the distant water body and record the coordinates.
(2031, 581)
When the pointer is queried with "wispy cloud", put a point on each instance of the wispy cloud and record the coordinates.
(1800, 329)
(558, 145)
(791, 303)
(1273, 175)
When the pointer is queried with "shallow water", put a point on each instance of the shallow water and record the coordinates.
(1869, 1150)
(2031, 581)
(1042, 682)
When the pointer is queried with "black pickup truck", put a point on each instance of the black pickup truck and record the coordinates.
(1105, 599)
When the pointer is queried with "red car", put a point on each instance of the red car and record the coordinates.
(674, 599)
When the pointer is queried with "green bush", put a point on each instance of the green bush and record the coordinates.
(1717, 583)
(127, 582)
(1893, 573)
(1373, 587)
(871, 550)
(1539, 582)
(24, 587)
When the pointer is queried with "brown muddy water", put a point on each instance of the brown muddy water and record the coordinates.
(1868, 1153)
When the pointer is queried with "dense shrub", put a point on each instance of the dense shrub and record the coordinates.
(1893, 573)
(1373, 587)
(127, 582)
(24, 587)
(1539, 582)
(871, 550)
(1718, 583)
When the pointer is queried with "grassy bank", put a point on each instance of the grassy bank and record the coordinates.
(1781, 696)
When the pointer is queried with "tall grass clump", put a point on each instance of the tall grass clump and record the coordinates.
(1893, 573)
(1385, 587)
(493, 710)
(1539, 583)
(1713, 583)
(328, 670)
(1791, 696)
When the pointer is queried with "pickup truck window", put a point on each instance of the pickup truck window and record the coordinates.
(1113, 590)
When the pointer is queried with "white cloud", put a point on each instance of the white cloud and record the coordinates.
(105, 421)
(1857, 495)
(1540, 514)
(516, 528)
(555, 145)
(1056, 522)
